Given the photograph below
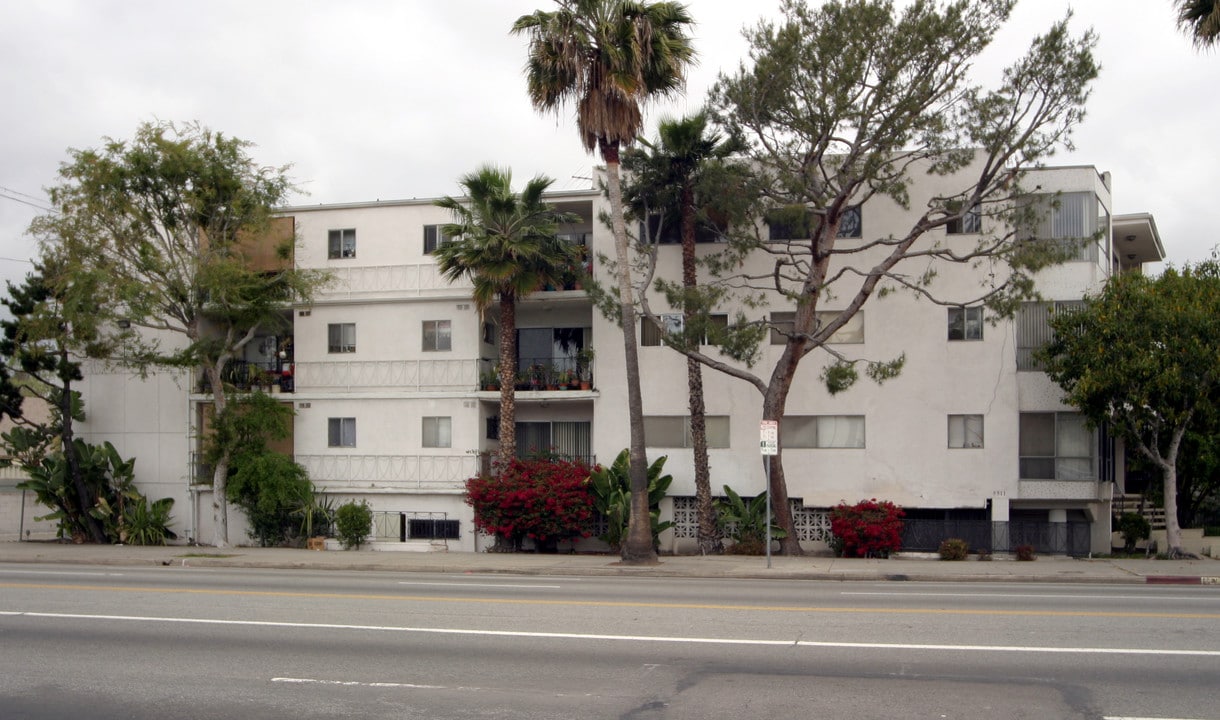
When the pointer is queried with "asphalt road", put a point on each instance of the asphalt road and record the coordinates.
(178, 642)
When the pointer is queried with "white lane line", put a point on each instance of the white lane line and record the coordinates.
(357, 683)
(490, 585)
(1003, 596)
(626, 638)
(1126, 717)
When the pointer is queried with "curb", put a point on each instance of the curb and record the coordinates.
(1182, 580)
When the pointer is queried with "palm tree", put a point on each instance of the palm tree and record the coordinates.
(506, 244)
(1201, 19)
(665, 175)
(607, 57)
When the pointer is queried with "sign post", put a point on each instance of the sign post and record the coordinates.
(768, 431)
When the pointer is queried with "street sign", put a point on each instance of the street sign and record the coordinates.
(769, 437)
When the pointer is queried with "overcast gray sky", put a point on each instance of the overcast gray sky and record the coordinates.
(387, 99)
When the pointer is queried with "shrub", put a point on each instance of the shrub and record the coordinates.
(543, 500)
(1133, 527)
(270, 487)
(870, 528)
(1026, 553)
(984, 556)
(148, 523)
(954, 549)
(611, 493)
(745, 522)
(353, 523)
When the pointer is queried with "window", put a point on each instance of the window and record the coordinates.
(437, 335)
(971, 221)
(795, 222)
(850, 225)
(566, 439)
(1057, 446)
(489, 333)
(650, 335)
(822, 431)
(341, 432)
(673, 431)
(434, 237)
(1034, 329)
(965, 323)
(341, 244)
(438, 432)
(852, 331)
(341, 337)
(1071, 219)
(965, 431)
(667, 230)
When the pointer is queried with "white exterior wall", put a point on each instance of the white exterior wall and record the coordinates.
(389, 383)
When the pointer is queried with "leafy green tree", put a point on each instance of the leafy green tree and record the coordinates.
(1142, 357)
(664, 180)
(163, 227)
(506, 244)
(269, 486)
(44, 338)
(854, 101)
(607, 58)
(1201, 20)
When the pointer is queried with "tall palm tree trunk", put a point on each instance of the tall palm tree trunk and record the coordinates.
(707, 534)
(638, 547)
(508, 378)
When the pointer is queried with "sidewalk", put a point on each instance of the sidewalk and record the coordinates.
(1049, 569)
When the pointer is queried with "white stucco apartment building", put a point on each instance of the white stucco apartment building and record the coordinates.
(384, 367)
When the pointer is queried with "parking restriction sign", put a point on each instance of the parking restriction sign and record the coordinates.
(769, 437)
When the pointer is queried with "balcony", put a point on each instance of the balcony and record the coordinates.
(542, 374)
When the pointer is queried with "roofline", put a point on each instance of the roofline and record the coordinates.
(557, 195)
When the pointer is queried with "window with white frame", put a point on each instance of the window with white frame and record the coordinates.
(673, 431)
(822, 431)
(852, 332)
(341, 337)
(434, 237)
(965, 431)
(438, 432)
(341, 432)
(341, 244)
(650, 334)
(437, 335)
(966, 323)
(1057, 446)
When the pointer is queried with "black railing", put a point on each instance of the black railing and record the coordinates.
(391, 526)
(1048, 538)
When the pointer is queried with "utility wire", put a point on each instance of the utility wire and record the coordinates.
(4, 194)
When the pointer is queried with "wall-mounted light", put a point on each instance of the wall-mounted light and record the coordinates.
(1130, 238)
(1130, 256)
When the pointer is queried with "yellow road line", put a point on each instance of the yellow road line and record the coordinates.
(618, 604)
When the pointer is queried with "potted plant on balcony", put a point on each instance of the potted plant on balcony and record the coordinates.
(490, 379)
(584, 367)
(537, 376)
